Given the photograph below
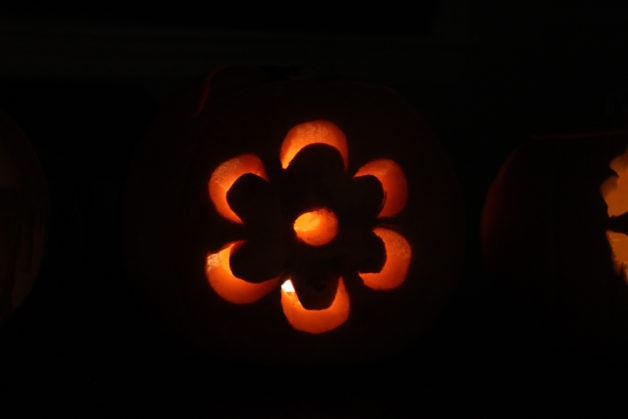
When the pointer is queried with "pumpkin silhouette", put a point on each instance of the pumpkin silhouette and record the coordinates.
(310, 220)
(554, 234)
(23, 216)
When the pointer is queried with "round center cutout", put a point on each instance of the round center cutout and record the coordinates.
(316, 227)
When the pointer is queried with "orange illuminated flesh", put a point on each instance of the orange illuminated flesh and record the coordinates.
(615, 188)
(395, 269)
(225, 175)
(313, 132)
(393, 182)
(317, 227)
(619, 248)
(615, 193)
(229, 287)
(315, 321)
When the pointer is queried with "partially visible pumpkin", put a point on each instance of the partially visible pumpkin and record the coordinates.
(554, 235)
(23, 216)
(295, 221)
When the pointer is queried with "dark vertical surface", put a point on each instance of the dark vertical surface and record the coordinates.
(537, 70)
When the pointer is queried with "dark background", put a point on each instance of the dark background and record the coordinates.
(86, 86)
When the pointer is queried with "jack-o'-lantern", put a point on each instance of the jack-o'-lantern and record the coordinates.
(296, 221)
(23, 216)
(554, 235)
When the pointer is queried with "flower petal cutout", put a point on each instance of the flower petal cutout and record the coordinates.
(225, 175)
(258, 259)
(393, 181)
(228, 286)
(315, 321)
(366, 198)
(254, 201)
(395, 269)
(367, 253)
(313, 132)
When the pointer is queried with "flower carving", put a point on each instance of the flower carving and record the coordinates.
(312, 228)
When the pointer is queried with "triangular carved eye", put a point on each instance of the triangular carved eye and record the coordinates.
(614, 190)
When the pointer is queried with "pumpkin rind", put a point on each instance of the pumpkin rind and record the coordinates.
(544, 239)
(24, 204)
(172, 223)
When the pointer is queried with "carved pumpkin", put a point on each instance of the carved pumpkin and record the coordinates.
(554, 236)
(23, 216)
(296, 221)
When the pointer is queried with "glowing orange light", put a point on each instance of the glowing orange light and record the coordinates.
(229, 287)
(225, 175)
(615, 193)
(313, 132)
(393, 181)
(315, 321)
(317, 227)
(619, 247)
(395, 269)
(615, 188)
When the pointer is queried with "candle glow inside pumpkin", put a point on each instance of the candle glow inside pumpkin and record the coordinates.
(314, 321)
(615, 193)
(227, 285)
(317, 227)
(314, 227)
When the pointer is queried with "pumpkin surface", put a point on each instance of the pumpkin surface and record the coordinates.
(23, 216)
(295, 221)
(554, 235)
